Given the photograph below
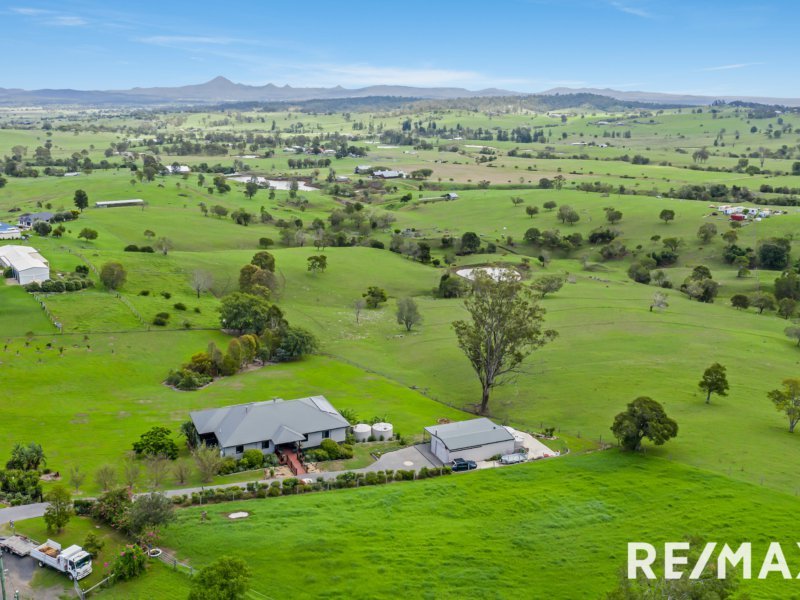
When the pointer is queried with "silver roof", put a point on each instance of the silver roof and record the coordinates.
(281, 421)
(469, 434)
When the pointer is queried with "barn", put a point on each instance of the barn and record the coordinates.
(26, 263)
(476, 439)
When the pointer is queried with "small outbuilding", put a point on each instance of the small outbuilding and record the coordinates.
(26, 264)
(477, 439)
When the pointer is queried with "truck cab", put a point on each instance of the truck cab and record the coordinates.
(78, 562)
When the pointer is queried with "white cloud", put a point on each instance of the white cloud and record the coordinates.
(66, 21)
(733, 66)
(181, 40)
(50, 17)
(30, 12)
(632, 10)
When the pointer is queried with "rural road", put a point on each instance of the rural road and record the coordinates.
(19, 513)
(412, 457)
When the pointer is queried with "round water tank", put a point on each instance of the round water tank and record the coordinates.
(382, 431)
(361, 432)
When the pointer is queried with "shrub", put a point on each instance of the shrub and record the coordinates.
(157, 441)
(187, 379)
(179, 306)
(166, 295)
(131, 248)
(159, 321)
(82, 269)
(251, 459)
(228, 466)
(144, 293)
(83, 507)
(148, 249)
(131, 562)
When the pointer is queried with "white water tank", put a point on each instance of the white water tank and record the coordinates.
(382, 431)
(361, 432)
(519, 440)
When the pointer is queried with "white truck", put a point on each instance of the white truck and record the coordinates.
(74, 561)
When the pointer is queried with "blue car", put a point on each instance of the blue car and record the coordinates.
(459, 464)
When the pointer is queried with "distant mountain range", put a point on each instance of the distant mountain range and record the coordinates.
(221, 90)
(661, 98)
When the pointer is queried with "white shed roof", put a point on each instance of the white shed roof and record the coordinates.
(22, 258)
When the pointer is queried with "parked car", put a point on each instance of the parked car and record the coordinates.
(459, 464)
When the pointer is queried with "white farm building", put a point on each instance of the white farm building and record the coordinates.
(9, 232)
(26, 263)
(477, 439)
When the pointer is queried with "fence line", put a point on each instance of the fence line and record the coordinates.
(56, 323)
(173, 562)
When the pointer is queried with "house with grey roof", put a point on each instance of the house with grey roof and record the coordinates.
(477, 439)
(270, 426)
(27, 220)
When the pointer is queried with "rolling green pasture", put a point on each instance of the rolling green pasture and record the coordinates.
(554, 529)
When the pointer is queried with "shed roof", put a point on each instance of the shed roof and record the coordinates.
(281, 421)
(469, 434)
(22, 258)
(7, 227)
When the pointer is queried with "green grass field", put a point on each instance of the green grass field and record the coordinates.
(555, 529)
(101, 379)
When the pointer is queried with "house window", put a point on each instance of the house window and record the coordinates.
(326, 434)
(239, 449)
(265, 445)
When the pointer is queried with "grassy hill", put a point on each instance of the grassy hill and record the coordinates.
(554, 529)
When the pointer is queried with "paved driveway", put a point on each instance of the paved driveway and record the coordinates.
(412, 457)
(18, 513)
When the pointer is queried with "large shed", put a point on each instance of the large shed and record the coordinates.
(26, 263)
(477, 439)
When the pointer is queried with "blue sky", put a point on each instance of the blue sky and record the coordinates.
(705, 47)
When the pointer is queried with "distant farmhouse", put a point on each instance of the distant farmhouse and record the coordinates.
(362, 169)
(274, 425)
(119, 203)
(26, 263)
(27, 220)
(177, 169)
(389, 174)
(9, 232)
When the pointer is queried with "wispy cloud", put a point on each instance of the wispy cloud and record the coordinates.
(732, 66)
(66, 21)
(30, 12)
(636, 11)
(185, 40)
(49, 17)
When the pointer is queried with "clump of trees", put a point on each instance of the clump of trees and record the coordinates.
(264, 336)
